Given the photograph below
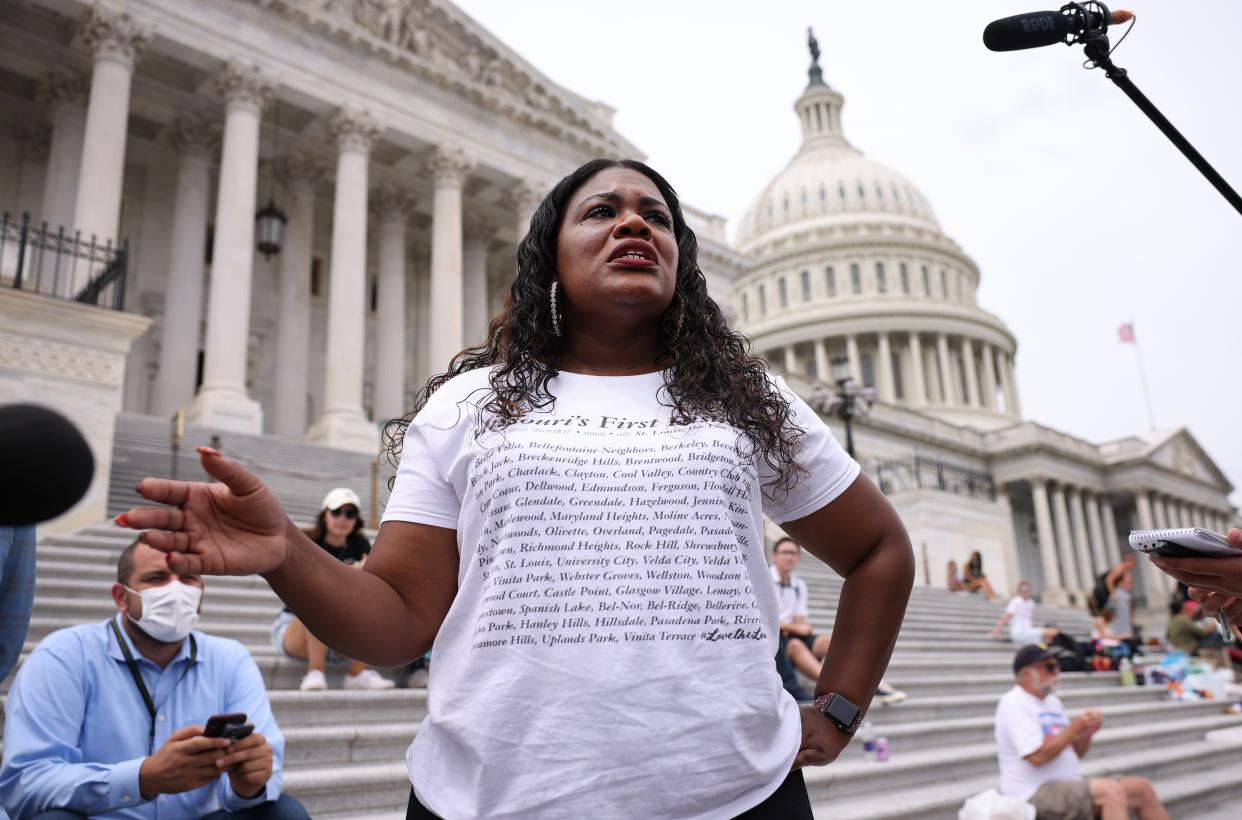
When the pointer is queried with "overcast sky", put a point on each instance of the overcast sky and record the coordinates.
(1079, 213)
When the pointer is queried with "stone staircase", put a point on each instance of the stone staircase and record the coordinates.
(345, 750)
(299, 473)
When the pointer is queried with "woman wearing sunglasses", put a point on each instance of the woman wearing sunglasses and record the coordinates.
(337, 531)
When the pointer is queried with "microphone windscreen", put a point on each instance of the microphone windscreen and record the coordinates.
(1031, 30)
(46, 465)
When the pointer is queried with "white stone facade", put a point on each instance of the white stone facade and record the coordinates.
(408, 148)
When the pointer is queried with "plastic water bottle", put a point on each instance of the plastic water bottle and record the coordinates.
(881, 749)
(1127, 673)
(868, 741)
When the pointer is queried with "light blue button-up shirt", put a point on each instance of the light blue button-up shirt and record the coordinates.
(76, 727)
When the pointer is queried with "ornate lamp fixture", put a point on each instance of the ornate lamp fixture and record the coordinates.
(850, 401)
(270, 220)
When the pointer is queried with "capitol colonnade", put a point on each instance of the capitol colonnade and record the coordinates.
(404, 170)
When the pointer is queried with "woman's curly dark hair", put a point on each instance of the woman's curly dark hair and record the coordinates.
(713, 375)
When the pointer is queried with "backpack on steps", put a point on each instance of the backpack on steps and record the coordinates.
(1069, 656)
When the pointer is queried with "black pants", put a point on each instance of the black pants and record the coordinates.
(788, 802)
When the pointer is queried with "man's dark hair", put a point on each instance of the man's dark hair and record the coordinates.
(783, 539)
(125, 563)
(711, 372)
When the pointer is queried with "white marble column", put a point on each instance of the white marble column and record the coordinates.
(522, 199)
(115, 41)
(195, 141)
(1113, 548)
(1153, 584)
(948, 385)
(299, 175)
(1100, 549)
(886, 389)
(1082, 544)
(918, 381)
(222, 401)
(989, 376)
(477, 235)
(972, 375)
(448, 169)
(1065, 540)
(851, 353)
(823, 369)
(1009, 385)
(791, 360)
(66, 92)
(1047, 539)
(393, 205)
(343, 422)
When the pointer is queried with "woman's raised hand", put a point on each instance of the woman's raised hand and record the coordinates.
(234, 527)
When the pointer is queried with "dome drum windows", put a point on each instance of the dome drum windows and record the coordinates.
(806, 286)
(881, 279)
(904, 271)
(782, 292)
(763, 301)
(855, 279)
(830, 281)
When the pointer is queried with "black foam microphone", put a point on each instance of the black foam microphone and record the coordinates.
(46, 465)
(1044, 28)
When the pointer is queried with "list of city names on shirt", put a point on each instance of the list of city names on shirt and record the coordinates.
(610, 531)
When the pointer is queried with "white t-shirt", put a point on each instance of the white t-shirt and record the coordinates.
(1023, 722)
(609, 651)
(790, 600)
(1021, 610)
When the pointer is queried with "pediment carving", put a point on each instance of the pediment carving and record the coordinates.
(430, 36)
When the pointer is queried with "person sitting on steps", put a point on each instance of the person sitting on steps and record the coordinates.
(953, 579)
(975, 580)
(338, 531)
(1018, 615)
(803, 647)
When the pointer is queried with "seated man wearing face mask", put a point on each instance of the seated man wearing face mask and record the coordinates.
(106, 720)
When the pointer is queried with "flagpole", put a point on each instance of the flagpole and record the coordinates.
(1151, 417)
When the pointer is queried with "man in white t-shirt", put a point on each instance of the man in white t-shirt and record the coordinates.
(1018, 615)
(1038, 749)
(803, 647)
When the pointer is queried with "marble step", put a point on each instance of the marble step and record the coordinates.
(856, 778)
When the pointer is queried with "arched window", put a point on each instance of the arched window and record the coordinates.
(841, 190)
(745, 308)
(783, 291)
(926, 283)
(904, 270)
(855, 278)
(944, 285)
(879, 192)
(763, 301)
(806, 286)
(881, 281)
(862, 192)
(830, 281)
(823, 193)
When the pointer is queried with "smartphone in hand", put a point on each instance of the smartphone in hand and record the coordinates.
(232, 726)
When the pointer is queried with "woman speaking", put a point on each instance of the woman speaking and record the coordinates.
(576, 530)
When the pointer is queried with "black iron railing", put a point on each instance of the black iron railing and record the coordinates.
(35, 258)
(920, 472)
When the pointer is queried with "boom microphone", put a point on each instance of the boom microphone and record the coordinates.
(1043, 28)
(45, 464)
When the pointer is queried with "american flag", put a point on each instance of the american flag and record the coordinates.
(1126, 333)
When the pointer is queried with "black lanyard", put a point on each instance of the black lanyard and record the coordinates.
(142, 686)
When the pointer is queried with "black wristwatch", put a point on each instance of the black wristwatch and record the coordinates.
(838, 708)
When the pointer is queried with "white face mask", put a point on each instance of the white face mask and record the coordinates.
(169, 612)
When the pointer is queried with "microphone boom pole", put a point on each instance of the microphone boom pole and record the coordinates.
(1096, 46)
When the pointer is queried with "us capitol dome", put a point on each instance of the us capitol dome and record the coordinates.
(849, 262)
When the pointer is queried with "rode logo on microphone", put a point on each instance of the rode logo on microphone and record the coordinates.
(1031, 25)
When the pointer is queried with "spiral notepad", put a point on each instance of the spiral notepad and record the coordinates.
(1194, 538)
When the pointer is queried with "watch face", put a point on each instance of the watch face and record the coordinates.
(841, 712)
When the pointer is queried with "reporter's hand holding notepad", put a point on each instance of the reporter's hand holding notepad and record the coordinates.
(1212, 569)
